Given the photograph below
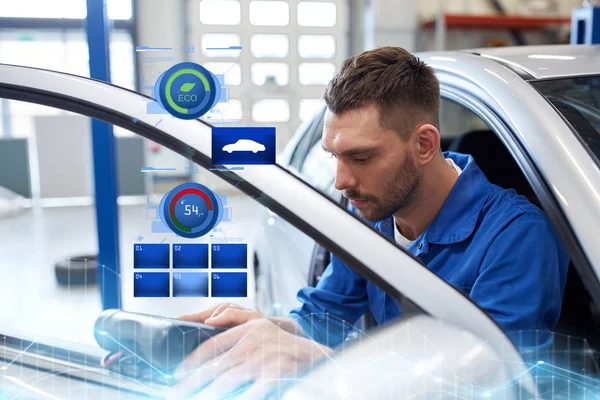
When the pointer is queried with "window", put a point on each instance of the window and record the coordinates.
(309, 107)
(316, 14)
(51, 49)
(283, 50)
(22, 116)
(229, 112)
(231, 70)
(269, 13)
(122, 67)
(272, 110)
(307, 140)
(270, 73)
(578, 100)
(319, 169)
(220, 12)
(60, 50)
(316, 73)
(118, 9)
(51, 163)
(214, 45)
(456, 120)
(269, 46)
(73, 9)
(316, 46)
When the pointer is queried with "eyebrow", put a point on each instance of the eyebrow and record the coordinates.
(353, 152)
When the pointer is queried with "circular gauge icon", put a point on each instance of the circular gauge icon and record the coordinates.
(187, 90)
(191, 210)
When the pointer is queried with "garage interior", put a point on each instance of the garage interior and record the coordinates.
(290, 51)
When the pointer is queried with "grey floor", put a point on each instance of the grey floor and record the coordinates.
(33, 302)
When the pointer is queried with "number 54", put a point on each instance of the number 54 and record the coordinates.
(189, 209)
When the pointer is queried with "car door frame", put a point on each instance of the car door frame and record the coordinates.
(279, 190)
(465, 90)
(292, 157)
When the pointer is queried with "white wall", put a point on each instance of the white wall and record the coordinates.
(390, 23)
(65, 170)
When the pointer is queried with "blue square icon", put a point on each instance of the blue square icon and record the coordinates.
(151, 284)
(151, 255)
(230, 255)
(243, 145)
(229, 284)
(190, 255)
(190, 284)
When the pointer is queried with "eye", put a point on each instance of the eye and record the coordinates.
(361, 160)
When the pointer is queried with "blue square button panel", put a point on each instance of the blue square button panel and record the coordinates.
(243, 145)
(229, 284)
(190, 255)
(231, 255)
(190, 284)
(151, 284)
(151, 255)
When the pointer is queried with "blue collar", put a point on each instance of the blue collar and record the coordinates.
(459, 213)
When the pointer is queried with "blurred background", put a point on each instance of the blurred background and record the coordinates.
(283, 54)
(291, 49)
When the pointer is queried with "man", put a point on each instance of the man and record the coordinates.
(381, 125)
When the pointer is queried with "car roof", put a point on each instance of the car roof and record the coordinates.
(550, 61)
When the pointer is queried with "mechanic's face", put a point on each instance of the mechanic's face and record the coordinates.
(375, 167)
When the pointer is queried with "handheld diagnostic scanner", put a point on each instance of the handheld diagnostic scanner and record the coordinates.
(161, 343)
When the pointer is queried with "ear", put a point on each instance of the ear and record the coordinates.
(428, 143)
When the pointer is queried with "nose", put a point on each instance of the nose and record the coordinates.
(344, 179)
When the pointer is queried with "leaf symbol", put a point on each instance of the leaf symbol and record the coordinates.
(186, 87)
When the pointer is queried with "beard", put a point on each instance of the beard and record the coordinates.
(399, 192)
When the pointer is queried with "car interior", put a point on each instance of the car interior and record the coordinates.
(579, 321)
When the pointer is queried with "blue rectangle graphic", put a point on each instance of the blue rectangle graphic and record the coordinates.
(151, 255)
(229, 284)
(190, 284)
(190, 255)
(243, 145)
(229, 255)
(151, 284)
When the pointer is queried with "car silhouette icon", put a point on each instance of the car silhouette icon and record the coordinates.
(244, 145)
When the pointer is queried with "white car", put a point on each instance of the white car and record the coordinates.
(445, 346)
(244, 145)
(303, 262)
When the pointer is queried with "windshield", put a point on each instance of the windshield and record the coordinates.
(578, 101)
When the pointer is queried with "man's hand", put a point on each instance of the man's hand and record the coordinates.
(224, 315)
(258, 353)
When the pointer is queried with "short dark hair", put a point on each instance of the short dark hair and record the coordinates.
(404, 88)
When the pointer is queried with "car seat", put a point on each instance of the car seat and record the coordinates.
(495, 161)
